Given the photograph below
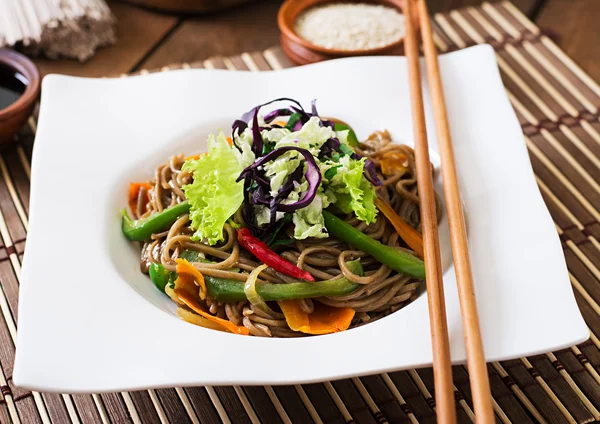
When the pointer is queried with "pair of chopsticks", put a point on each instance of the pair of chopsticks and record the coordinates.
(444, 387)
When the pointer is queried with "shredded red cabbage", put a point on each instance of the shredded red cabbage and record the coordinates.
(312, 175)
(256, 185)
(248, 210)
(371, 173)
(322, 122)
(247, 117)
(330, 146)
(276, 114)
(257, 142)
(313, 107)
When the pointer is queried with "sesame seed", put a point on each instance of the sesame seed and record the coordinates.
(350, 26)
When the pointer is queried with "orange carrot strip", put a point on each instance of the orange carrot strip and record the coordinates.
(196, 319)
(323, 320)
(229, 141)
(186, 270)
(280, 123)
(134, 192)
(411, 236)
(393, 162)
(191, 302)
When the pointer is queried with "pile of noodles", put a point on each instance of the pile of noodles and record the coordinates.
(382, 292)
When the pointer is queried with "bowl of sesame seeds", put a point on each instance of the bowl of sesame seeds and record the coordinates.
(317, 30)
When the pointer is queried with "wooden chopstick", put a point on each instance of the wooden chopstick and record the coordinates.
(480, 384)
(442, 367)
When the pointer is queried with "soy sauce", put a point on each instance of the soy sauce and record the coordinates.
(12, 86)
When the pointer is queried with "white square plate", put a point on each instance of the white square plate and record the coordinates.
(89, 321)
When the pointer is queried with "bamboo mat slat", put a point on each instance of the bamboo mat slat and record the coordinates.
(557, 105)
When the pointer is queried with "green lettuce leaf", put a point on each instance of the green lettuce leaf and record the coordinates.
(352, 190)
(214, 196)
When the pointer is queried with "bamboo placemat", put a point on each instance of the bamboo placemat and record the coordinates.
(557, 105)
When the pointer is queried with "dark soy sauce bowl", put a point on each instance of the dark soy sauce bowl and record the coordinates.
(18, 75)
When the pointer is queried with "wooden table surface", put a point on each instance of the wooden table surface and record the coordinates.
(149, 40)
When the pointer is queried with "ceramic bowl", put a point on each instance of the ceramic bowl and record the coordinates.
(14, 116)
(302, 51)
(90, 321)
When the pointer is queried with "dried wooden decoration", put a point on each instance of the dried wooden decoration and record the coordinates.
(56, 28)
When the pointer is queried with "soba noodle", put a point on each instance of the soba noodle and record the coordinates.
(381, 292)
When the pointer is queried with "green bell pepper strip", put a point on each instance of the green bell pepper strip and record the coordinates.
(142, 229)
(352, 138)
(397, 260)
(233, 291)
(160, 276)
(224, 290)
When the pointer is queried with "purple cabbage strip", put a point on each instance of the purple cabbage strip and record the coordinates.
(312, 175)
(276, 114)
(257, 140)
(322, 122)
(313, 106)
(259, 197)
(327, 123)
(246, 117)
(242, 123)
(304, 117)
(239, 125)
(371, 173)
(248, 210)
(369, 170)
(289, 185)
(261, 180)
(331, 145)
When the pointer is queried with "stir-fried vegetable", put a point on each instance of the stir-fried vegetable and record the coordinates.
(160, 276)
(134, 193)
(187, 274)
(268, 257)
(262, 195)
(395, 259)
(142, 229)
(250, 291)
(229, 291)
(350, 137)
(393, 163)
(294, 167)
(323, 320)
(192, 302)
(407, 233)
(198, 320)
(278, 179)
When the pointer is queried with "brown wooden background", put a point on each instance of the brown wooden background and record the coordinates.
(148, 40)
(558, 108)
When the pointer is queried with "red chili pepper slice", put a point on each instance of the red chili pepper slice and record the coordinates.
(268, 257)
